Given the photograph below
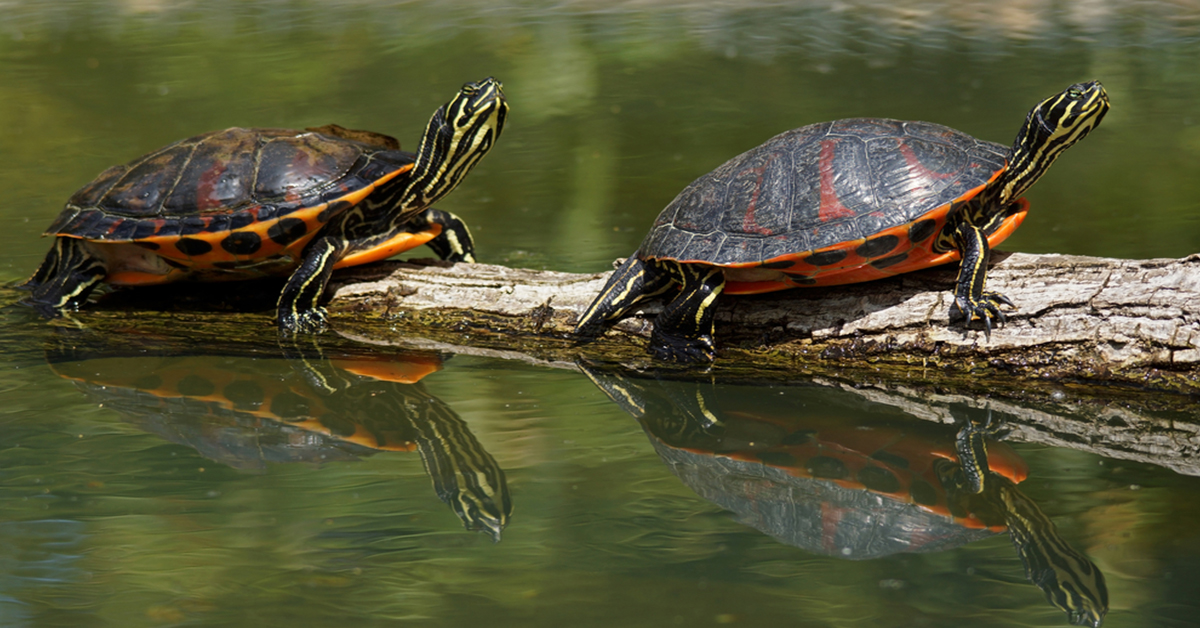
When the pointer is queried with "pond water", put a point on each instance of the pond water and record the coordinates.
(151, 479)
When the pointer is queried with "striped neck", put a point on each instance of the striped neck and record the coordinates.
(1051, 127)
(458, 135)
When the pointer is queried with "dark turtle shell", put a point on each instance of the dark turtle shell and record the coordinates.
(232, 195)
(829, 197)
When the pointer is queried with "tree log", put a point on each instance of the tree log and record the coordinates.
(1088, 319)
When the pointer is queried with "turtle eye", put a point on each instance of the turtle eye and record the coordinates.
(1074, 93)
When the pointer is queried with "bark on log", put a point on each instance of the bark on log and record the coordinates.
(1078, 318)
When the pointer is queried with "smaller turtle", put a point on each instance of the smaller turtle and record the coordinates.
(841, 202)
(244, 203)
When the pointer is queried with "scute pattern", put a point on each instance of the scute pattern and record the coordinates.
(821, 186)
(231, 181)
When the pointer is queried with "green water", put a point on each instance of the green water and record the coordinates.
(126, 504)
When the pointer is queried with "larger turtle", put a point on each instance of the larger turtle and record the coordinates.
(243, 203)
(841, 202)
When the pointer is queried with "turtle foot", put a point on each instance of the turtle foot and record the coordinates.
(312, 321)
(680, 349)
(985, 309)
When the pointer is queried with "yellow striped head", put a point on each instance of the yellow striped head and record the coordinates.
(460, 133)
(1051, 127)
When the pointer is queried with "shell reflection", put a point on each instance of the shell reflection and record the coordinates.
(246, 412)
(822, 479)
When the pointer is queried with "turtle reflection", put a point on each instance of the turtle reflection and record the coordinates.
(828, 483)
(248, 411)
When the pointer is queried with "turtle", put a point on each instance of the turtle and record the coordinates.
(840, 202)
(250, 202)
(833, 482)
(245, 410)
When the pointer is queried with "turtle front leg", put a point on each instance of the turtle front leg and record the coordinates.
(971, 301)
(299, 310)
(454, 243)
(65, 278)
(683, 332)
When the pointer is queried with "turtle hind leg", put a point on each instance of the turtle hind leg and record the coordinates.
(683, 332)
(454, 243)
(633, 282)
(65, 278)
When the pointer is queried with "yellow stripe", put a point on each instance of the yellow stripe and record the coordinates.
(708, 301)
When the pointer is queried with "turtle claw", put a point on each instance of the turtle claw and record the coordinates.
(985, 309)
(679, 349)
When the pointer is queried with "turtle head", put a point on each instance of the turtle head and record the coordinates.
(1051, 127)
(459, 134)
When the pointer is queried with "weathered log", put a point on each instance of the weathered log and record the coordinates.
(1133, 322)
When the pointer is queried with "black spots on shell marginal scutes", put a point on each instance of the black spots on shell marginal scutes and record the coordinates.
(889, 261)
(287, 230)
(921, 230)
(876, 247)
(826, 258)
(193, 247)
(242, 243)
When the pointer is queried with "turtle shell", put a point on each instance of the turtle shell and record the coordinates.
(224, 198)
(835, 202)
